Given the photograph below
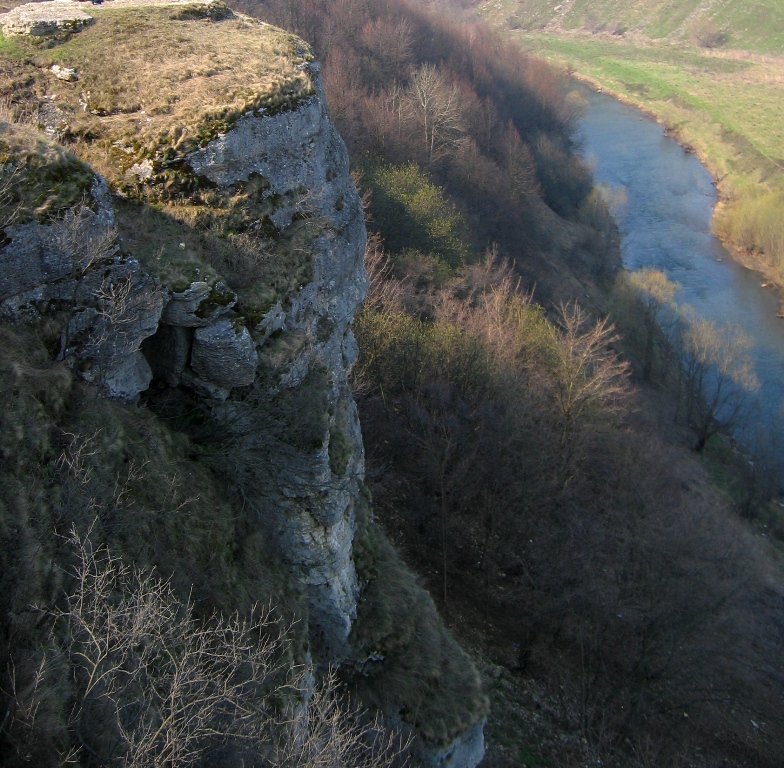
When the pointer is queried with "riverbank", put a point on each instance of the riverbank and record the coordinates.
(724, 106)
(771, 276)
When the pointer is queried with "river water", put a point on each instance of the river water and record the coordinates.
(665, 223)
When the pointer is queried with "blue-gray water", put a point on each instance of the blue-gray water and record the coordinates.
(665, 223)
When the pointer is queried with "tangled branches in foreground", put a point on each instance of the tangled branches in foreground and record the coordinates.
(157, 686)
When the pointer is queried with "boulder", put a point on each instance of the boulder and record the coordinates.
(128, 377)
(198, 305)
(64, 73)
(223, 355)
(45, 19)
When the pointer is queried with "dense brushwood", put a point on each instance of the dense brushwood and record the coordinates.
(490, 126)
(562, 521)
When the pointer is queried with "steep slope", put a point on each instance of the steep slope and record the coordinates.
(211, 271)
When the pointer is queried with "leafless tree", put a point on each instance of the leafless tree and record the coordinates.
(155, 685)
(9, 176)
(384, 290)
(655, 294)
(81, 242)
(331, 733)
(588, 372)
(437, 108)
(720, 375)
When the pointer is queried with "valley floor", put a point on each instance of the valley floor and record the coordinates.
(724, 105)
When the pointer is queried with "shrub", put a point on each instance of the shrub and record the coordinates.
(413, 213)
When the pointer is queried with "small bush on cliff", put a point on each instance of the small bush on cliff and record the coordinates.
(407, 662)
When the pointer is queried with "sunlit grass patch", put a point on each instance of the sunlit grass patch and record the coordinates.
(152, 79)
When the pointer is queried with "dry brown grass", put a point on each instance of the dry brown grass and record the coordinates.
(153, 78)
(155, 81)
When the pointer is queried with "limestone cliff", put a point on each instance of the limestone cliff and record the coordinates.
(236, 291)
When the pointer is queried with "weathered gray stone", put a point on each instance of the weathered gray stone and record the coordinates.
(122, 309)
(64, 73)
(187, 308)
(223, 355)
(52, 118)
(301, 150)
(45, 19)
(129, 376)
(203, 388)
(141, 171)
(466, 751)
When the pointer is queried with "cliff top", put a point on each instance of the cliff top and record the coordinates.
(141, 80)
(130, 87)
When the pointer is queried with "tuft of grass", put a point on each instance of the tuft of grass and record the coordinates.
(340, 450)
(40, 179)
(182, 244)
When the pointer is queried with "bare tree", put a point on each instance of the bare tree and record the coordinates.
(720, 375)
(155, 685)
(384, 290)
(519, 163)
(588, 372)
(9, 210)
(331, 733)
(79, 243)
(655, 294)
(437, 108)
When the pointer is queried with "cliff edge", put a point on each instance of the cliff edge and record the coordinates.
(178, 214)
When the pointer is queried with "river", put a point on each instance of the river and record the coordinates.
(665, 223)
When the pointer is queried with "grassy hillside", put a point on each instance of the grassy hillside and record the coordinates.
(754, 25)
(713, 75)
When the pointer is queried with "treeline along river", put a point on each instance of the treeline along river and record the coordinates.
(667, 199)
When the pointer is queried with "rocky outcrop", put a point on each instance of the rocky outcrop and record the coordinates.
(466, 751)
(224, 354)
(45, 19)
(302, 477)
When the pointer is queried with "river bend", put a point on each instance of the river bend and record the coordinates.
(665, 223)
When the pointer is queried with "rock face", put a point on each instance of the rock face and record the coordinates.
(44, 19)
(224, 355)
(126, 328)
(466, 751)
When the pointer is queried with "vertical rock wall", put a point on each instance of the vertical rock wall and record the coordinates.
(304, 489)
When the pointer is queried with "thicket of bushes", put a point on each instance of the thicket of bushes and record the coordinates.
(756, 224)
(505, 446)
(487, 124)
(505, 452)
